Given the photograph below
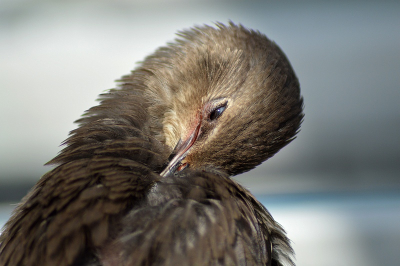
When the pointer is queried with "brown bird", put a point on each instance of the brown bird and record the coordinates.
(145, 178)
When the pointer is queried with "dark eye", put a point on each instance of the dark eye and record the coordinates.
(217, 112)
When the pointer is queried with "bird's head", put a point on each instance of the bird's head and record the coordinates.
(224, 97)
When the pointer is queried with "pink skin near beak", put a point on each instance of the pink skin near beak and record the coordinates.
(181, 150)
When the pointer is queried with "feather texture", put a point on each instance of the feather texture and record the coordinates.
(105, 202)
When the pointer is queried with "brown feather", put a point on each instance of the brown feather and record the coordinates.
(106, 203)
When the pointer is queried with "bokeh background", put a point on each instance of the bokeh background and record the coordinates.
(335, 189)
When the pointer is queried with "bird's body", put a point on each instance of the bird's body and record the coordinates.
(145, 179)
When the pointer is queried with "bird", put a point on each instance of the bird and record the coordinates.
(146, 177)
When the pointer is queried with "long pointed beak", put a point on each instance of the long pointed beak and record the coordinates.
(181, 151)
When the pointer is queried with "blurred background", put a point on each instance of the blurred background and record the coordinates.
(335, 189)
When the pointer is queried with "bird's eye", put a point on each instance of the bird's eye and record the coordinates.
(217, 112)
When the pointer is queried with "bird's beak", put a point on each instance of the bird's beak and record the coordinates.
(180, 152)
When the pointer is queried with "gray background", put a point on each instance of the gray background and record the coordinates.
(336, 188)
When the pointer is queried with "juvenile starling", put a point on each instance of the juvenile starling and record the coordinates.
(145, 178)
